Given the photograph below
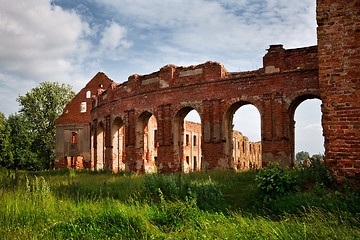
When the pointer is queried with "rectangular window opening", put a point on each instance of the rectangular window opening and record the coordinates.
(74, 138)
(155, 139)
(187, 140)
(83, 107)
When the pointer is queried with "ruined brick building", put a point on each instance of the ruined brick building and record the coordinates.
(107, 124)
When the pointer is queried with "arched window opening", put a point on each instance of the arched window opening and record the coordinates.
(243, 136)
(187, 139)
(118, 146)
(100, 147)
(308, 130)
(146, 143)
(88, 94)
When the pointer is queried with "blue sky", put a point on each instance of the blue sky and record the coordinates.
(69, 41)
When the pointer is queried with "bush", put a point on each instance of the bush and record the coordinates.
(274, 181)
(316, 174)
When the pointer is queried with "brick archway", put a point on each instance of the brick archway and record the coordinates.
(145, 142)
(329, 70)
(187, 138)
(291, 110)
(229, 137)
(215, 93)
(118, 145)
(100, 147)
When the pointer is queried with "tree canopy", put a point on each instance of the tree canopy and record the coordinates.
(23, 144)
(6, 158)
(27, 139)
(301, 156)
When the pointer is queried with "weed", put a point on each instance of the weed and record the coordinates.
(181, 206)
(206, 194)
(273, 181)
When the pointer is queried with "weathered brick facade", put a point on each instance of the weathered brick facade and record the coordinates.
(330, 72)
(120, 114)
(339, 77)
(246, 154)
(73, 129)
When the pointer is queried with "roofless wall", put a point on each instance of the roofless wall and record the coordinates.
(213, 92)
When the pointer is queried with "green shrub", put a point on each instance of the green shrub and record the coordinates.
(207, 194)
(273, 181)
(316, 174)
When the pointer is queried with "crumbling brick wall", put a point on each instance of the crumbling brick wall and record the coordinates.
(75, 121)
(329, 72)
(287, 78)
(339, 76)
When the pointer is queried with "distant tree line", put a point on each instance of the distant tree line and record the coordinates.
(302, 156)
(27, 138)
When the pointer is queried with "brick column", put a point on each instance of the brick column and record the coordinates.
(166, 160)
(94, 145)
(339, 78)
(108, 144)
(130, 151)
(211, 145)
(276, 141)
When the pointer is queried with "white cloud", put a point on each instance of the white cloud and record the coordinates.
(219, 30)
(113, 41)
(38, 40)
(43, 42)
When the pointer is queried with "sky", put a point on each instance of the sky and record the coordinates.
(69, 41)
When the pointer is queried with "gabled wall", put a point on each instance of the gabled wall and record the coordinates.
(73, 126)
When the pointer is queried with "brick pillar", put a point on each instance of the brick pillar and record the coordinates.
(339, 79)
(108, 143)
(276, 141)
(130, 151)
(211, 145)
(166, 160)
(95, 144)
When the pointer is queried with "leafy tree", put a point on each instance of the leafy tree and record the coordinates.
(318, 157)
(23, 144)
(6, 157)
(301, 156)
(41, 107)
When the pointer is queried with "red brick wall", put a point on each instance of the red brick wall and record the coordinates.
(287, 76)
(329, 72)
(339, 76)
(75, 120)
(72, 112)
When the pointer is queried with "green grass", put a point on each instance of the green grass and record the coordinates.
(66, 204)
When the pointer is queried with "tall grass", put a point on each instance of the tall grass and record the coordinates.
(86, 205)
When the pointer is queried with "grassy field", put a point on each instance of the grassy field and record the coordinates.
(65, 204)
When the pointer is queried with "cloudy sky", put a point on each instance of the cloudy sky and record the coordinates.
(69, 41)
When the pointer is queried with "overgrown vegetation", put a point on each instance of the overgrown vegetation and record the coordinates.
(67, 204)
(273, 181)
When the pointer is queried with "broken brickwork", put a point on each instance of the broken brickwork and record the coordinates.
(246, 154)
(73, 129)
(339, 77)
(329, 72)
(287, 78)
